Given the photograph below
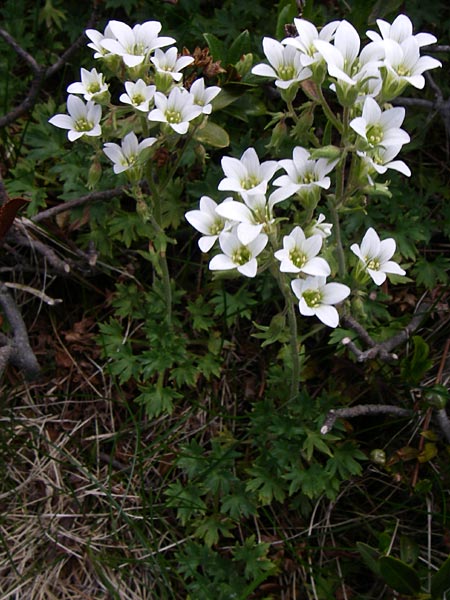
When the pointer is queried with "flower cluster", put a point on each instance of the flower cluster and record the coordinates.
(363, 79)
(152, 89)
(245, 226)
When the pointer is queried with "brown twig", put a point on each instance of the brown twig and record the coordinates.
(48, 253)
(382, 350)
(91, 197)
(360, 411)
(40, 72)
(16, 350)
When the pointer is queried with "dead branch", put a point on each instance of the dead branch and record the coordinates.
(91, 197)
(362, 410)
(381, 350)
(40, 72)
(16, 350)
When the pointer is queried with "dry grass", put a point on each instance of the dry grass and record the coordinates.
(76, 503)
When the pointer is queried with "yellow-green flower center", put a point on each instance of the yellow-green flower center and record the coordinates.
(83, 125)
(403, 71)
(138, 99)
(374, 135)
(93, 88)
(286, 72)
(216, 227)
(173, 116)
(298, 259)
(241, 256)
(374, 264)
(249, 183)
(306, 178)
(312, 298)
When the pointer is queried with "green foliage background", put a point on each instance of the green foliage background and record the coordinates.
(250, 499)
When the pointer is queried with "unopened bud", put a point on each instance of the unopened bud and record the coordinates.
(378, 456)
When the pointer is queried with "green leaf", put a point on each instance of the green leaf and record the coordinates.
(370, 556)
(398, 575)
(240, 46)
(409, 550)
(213, 135)
(216, 47)
(286, 15)
(212, 527)
(416, 365)
(440, 582)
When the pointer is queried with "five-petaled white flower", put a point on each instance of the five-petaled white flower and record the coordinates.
(202, 96)
(252, 216)
(247, 175)
(319, 227)
(286, 68)
(170, 64)
(305, 41)
(405, 65)
(83, 119)
(375, 256)
(380, 128)
(177, 109)
(96, 40)
(380, 160)
(92, 85)
(208, 221)
(138, 94)
(134, 44)
(317, 297)
(303, 173)
(299, 254)
(237, 255)
(126, 155)
(400, 30)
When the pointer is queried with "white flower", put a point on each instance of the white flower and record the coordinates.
(83, 119)
(208, 221)
(375, 256)
(126, 155)
(299, 254)
(176, 110)
(380, 160)
(400, 30)
(341, 57)
(247, 175)
(251, 217)
(321, 228)
(303, 173)
(237, 255)
(380, 128)
(202, 96)
(286, 64)
(405, 65)
(305, 41)
(138, 94)
(317, 297)
(92, 84)
(168, 63)
(134, 45)
(96, 40)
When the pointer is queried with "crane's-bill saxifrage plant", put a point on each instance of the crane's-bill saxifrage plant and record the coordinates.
(334, 139)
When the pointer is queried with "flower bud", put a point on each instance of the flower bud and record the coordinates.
(94, 174)
(378, 456)
(244, 65)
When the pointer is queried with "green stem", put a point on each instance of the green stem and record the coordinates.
(283, 284)
(337, 234)
(328, 112)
